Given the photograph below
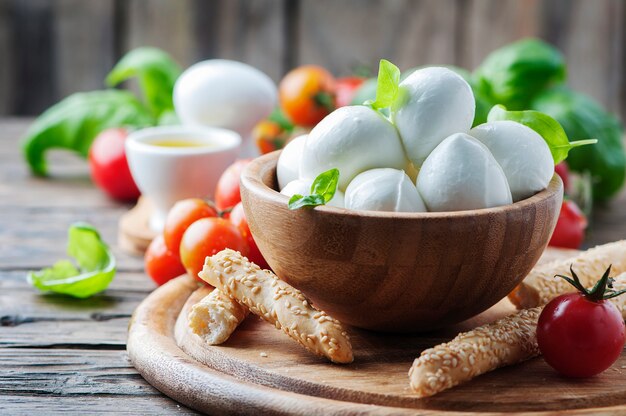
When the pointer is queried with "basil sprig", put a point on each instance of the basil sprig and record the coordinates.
(93, 272)
(546, 126)
(322, 191)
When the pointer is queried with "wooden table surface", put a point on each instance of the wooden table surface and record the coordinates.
(66, 355)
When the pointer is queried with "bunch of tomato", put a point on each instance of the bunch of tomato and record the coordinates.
(195, 229)
(307, 94)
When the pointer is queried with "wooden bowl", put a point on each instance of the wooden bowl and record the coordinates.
(392, 271)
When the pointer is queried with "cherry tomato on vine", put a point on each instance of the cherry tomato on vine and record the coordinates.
(269, 136)
(227, 193)
(570, 227)
(181, 216)
(206, 237)
(582, 334)
(109, 167)
(162, 264)
(307, 94)
(238, 218)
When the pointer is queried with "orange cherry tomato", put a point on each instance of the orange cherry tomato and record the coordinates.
(269, 136)
(307, 95)
(181, 216)
(227, 191)
(238, 218)
(206, 237)
(162, 264)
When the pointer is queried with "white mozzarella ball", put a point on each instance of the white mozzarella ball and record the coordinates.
(522, 153)
(352, 139)
(288, 167)
(461, 174)
(224, 93)
(303, 187)
(383, 189)
(437, 103)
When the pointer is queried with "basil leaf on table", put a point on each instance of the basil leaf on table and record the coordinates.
(156, 72)
(322, 191)
(94, 270)
(74, 122)
(582, 117)
(546, 126)
(514, 74)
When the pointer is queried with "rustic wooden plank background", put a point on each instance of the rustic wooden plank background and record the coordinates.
(51, 48)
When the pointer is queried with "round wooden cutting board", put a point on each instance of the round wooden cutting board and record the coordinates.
(259, 369)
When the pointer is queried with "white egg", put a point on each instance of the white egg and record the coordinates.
(437, 103)
(383, 189)
(288, 166)
(462, 174)
(303, 187)
(522, 153)
(224, 93)
(352, 139)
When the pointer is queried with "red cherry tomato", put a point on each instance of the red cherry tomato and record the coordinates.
(238, 218)
(345, 89)
(181, 216)
(579, 337)
(563, 171)
(307, 94)
(570, 227)
(109, 168)
(162, 264)
(227, 191)
(206, 237)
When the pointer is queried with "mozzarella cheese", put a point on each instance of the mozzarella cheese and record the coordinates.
(461, 174)
(522, 153)
(288, 167)
(224, 93)
(383, 189)
(435, 103)
(352, 139)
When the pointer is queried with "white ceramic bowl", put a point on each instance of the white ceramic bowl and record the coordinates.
(168, 174)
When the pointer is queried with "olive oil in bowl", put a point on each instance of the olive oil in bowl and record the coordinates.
(180, 143)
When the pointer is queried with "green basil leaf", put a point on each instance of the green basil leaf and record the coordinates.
(581, 118)
(387, 85)
(514, 74)
(546, 126)
(74, 122)
(325, 184)
(95, 271)
(323, 190)
(156, 72)
(300, 201)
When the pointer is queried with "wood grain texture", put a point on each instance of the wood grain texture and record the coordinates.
(397, 271)
(259, 357)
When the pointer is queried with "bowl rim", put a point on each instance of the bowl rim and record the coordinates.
(223, 140)
(251, 179)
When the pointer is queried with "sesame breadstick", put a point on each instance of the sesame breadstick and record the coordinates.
(507, 341)
(540, 286)
(216, 317)
(278, 303)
